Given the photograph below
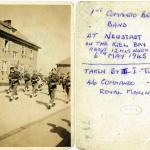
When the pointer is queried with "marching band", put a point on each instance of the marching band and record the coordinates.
(37, 82)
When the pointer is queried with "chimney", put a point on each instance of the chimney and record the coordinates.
(7, 22)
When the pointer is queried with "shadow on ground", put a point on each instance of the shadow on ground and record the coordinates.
(63, 133)
(42, 103)
(67, 121)
(59, 99)
(7, 96)
(43, 92)
(27, 94)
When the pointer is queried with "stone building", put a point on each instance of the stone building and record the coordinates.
(15, 49)
(64, 66)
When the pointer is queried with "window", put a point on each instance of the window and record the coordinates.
(4, 66)
(14, 54)
(23, 51)
(5, 45)
(31, 56)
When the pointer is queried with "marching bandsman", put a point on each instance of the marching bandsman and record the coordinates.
(41, 82)
(15, 77)
(52, 85)
(9, 78)
(34, 81)
(27, 79)
(68, 87)
(62, 81)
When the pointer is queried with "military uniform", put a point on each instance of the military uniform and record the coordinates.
(63, 82)
(34, 81)
(9, 78)
(68, 87)
(41, 83)
(52, 85)
(27, 81)
(15, 77)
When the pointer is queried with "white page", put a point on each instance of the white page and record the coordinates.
(112, 52)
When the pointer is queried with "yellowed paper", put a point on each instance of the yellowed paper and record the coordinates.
(113, 75)
(36, 38)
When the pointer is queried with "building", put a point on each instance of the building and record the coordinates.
(64, 66)
(15, 49)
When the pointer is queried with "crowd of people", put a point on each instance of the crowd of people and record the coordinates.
(37, 82)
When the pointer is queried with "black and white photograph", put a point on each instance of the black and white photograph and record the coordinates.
(35, 75)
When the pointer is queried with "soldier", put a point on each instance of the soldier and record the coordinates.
(9, 77)
(34, 81)
(15, 77)
(52, 85)
(41, 82)
(27, 79)
(67, 87)
(62, 81)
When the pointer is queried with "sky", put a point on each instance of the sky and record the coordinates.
(48, 26)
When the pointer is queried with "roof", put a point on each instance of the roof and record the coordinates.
(9, 32)
(65, 61)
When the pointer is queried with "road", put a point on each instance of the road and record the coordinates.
(28, 123)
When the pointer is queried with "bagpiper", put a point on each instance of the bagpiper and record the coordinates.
(62, 81)
(34, 81)
(15, 77)
(27, 79)
(52, 85)
(41, 82)
(9, 78)
(68, 87)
